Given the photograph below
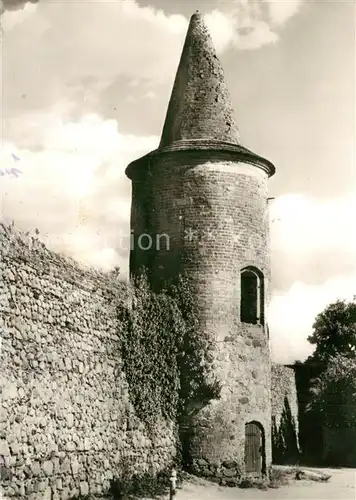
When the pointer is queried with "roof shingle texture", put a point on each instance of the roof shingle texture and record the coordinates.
(200, 105)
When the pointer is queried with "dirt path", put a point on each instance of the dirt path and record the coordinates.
(341, 486)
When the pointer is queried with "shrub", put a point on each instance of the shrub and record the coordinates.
(140, 485)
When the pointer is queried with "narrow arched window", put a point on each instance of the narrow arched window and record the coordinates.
(251, 307)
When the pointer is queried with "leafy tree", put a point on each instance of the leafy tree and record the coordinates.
(334, 332)
(323, 386)
(333, 395)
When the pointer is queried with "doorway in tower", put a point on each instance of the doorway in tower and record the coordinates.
(254, 450)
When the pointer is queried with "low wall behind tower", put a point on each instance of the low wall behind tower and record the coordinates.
(67, 423)
(285, 426)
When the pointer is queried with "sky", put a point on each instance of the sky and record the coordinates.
(85, 87)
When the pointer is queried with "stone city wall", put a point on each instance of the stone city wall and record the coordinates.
(67, 423)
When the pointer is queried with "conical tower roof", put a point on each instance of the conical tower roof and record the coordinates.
(200, 116)
(200, 105)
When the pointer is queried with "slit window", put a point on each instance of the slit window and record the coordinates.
(251, 296)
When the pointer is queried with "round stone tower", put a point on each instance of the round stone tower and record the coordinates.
(199, 207)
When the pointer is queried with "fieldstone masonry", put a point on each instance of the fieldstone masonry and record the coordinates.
(67, 423)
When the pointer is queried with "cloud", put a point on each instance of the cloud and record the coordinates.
(15, 4)
(100, 40)
(73, 188)
(313, 244)
(255, 35)
(6, 5)
(71, 41)
(292, 313)
(282, 11)
(311, 237)
(222, 29)
(16, 14)
(249, 25)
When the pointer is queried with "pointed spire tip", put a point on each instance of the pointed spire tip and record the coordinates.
(200, 106)
(197, 13)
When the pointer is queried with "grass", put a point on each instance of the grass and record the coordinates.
(134, 487)
(277, 477)
(149, 486)
(138, 486)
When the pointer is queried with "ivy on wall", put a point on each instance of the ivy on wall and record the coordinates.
(166, 359)
(198, 385)
(152, 335)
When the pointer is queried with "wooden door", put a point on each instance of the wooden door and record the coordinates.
(253, 450)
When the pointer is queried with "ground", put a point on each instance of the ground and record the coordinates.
(341, 486)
